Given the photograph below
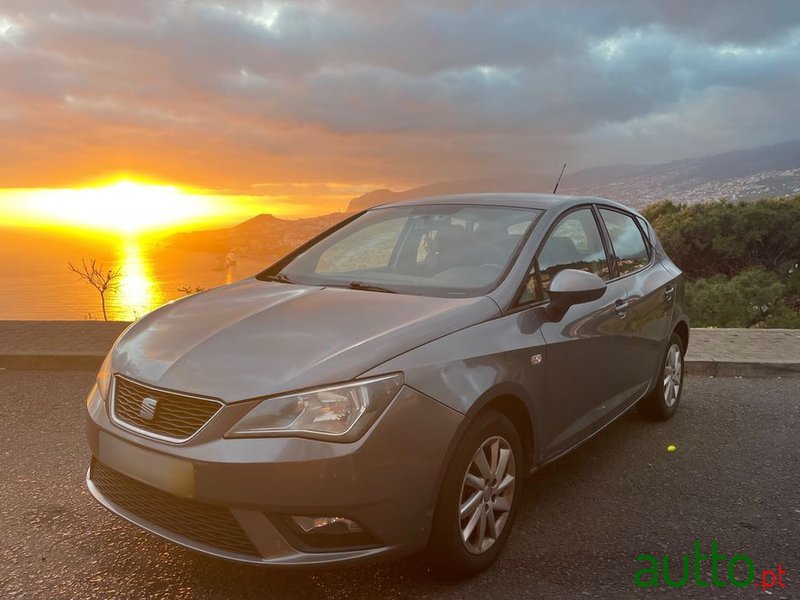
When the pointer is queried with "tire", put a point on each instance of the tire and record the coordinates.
(494, 437)
(662, 402)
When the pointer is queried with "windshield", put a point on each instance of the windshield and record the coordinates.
(435, 250)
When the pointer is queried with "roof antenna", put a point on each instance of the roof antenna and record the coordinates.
(559, 177)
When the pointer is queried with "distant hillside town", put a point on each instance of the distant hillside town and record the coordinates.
(771, 171)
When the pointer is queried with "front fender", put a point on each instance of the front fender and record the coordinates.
(468, 369)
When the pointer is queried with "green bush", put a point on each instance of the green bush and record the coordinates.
(754, 297)
(741, 261)
(723, 237)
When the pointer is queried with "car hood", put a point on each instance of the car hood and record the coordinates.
(255, 338)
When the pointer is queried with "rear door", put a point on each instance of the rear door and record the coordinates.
(650, 296)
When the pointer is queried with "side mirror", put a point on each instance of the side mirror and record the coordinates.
(571, 286)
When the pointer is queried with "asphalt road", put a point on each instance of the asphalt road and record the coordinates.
(734, 478)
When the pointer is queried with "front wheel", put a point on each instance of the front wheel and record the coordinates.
(479, 497)
(663, 401)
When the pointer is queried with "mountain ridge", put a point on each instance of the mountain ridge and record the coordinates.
(739, 175)
(772, 170)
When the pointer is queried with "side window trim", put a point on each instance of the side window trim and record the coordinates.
(640, 221)
(611, 257)
(613, 253)
(644, 227)
(539, 285)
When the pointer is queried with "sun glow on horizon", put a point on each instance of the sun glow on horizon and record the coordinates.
(126, 206)
(123, 206)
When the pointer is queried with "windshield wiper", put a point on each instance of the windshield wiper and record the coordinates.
(358, 285)
(279, 277)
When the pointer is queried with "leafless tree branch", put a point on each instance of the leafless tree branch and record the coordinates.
(100, 278)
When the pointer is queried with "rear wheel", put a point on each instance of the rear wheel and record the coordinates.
(479, 497)
(663, 401)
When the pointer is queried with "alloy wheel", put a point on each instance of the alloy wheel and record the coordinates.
(486, 495)
(673, 367)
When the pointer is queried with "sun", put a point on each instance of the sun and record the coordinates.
(124, 206)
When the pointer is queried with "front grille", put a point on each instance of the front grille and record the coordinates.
(206, 523)
(175, 416)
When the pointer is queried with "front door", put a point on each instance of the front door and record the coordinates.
(585, 345)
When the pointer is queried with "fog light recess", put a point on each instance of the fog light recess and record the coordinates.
(325, 534)
(327, 525)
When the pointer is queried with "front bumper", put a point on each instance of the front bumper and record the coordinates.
(386, 481)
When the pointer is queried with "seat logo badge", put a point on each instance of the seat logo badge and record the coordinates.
(147, 410)
(536, 359)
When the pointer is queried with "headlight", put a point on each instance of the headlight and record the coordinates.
(339, 413)
(104, 377)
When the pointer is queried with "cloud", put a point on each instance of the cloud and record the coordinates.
(231, 94)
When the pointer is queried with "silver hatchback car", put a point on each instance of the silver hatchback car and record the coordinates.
(389, 385)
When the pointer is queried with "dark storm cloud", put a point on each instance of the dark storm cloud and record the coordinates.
(228, 94)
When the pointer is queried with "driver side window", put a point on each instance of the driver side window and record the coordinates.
(575, 243)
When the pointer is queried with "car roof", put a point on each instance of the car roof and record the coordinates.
(516, 200)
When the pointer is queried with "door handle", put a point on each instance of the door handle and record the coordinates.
(621, 306)
(668, 291)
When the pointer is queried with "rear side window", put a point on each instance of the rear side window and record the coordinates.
(629, 247)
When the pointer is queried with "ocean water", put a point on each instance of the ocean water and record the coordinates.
(35, 282)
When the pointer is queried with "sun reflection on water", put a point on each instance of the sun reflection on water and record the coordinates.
(137, 293)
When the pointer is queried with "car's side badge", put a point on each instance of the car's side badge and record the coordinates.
(536, 359)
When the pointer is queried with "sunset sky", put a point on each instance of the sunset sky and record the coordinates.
(295, 107)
